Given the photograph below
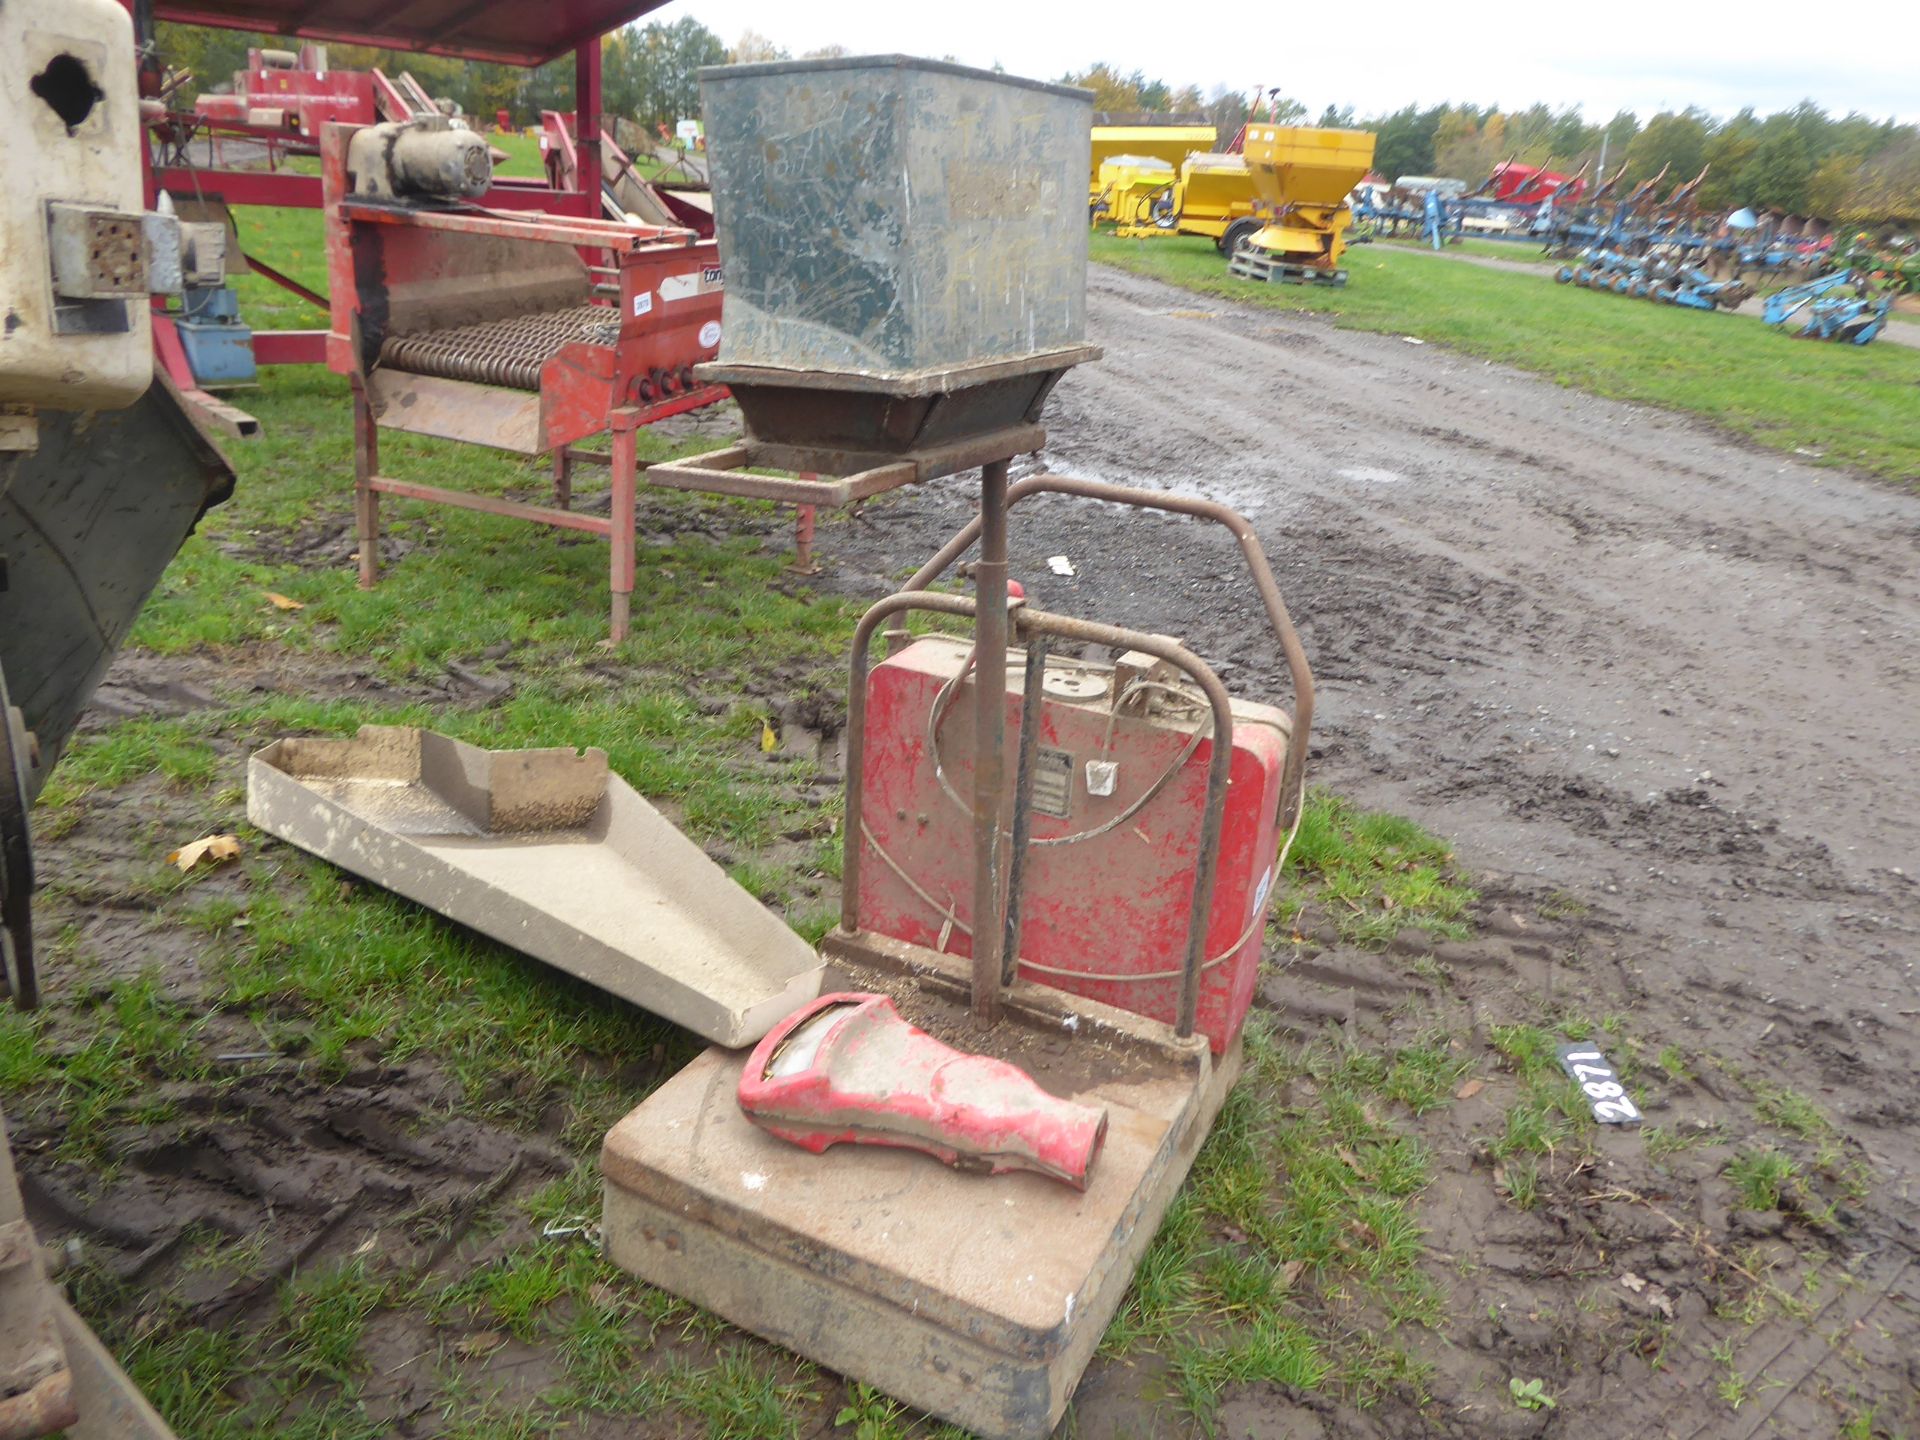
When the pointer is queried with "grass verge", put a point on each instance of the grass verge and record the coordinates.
(1854, 405)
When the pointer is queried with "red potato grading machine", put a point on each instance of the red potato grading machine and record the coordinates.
(181, 151)
(294, 92)
(521, 332)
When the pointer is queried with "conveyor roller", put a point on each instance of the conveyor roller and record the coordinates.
(508, 352)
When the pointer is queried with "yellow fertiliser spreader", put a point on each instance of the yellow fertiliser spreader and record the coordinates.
(1168, 143)
(1301, 179)
(1213, 197)
(1136, 191)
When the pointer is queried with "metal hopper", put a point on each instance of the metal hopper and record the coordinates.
(906, 269)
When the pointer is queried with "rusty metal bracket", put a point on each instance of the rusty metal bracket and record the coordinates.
(724, 472)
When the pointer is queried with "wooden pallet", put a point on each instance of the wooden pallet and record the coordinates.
(1252, 264)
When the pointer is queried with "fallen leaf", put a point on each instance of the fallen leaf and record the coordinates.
(1500, 1179)
(484, 1343)
(283, 602)
(769, 738)
(208, 847)
(1633, 1282)
(1290, 1271)
(1470, 1089)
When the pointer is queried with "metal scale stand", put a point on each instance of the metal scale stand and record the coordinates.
(974, 1299)
(980, 1300)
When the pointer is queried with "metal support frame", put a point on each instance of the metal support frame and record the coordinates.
(996, 909)
(989, 738)
(618, 526)
(588, 176)
(1032, 698)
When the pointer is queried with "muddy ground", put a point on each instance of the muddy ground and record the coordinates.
(1657, 685)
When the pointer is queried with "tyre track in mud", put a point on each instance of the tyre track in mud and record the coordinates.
(1606, 649)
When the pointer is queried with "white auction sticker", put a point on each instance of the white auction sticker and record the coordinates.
(643, 302)
(1600, 1083)
(709, 334)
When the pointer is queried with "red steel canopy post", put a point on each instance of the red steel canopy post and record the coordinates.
(586, 124)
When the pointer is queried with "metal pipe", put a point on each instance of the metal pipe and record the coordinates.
(857, 732)
(1038, 622)
(1256, 558)
(989, 737)
(1032, 706)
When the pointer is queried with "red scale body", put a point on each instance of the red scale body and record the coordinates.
(1107, 907)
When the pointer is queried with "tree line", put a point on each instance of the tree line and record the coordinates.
(1852, 168)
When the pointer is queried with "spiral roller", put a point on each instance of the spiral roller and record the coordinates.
(509, 352)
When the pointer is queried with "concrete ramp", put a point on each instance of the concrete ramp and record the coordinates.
(549, 852)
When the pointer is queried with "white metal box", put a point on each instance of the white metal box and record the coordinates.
(74, 326)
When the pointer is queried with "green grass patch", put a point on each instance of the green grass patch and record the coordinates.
(1294, 1253)
(1374, 874)
(1852, 403)
(1521, 252)
(325, 1313)
(1549, 1115)
(175, 749)
(1762, 1178)
(1789, 1110)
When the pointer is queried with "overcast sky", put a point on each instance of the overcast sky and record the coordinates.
(1383, 54)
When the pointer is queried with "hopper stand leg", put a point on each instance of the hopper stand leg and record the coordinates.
(563, 477)
(625, 471)
(803, 521)
(366, 500)
(989, 737)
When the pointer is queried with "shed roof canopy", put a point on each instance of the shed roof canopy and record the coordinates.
(510, 32)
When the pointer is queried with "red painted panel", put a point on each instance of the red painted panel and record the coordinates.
(1113, 904)
(290, 347)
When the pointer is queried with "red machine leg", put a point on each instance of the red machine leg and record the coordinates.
(624, 477)
(366, 500)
